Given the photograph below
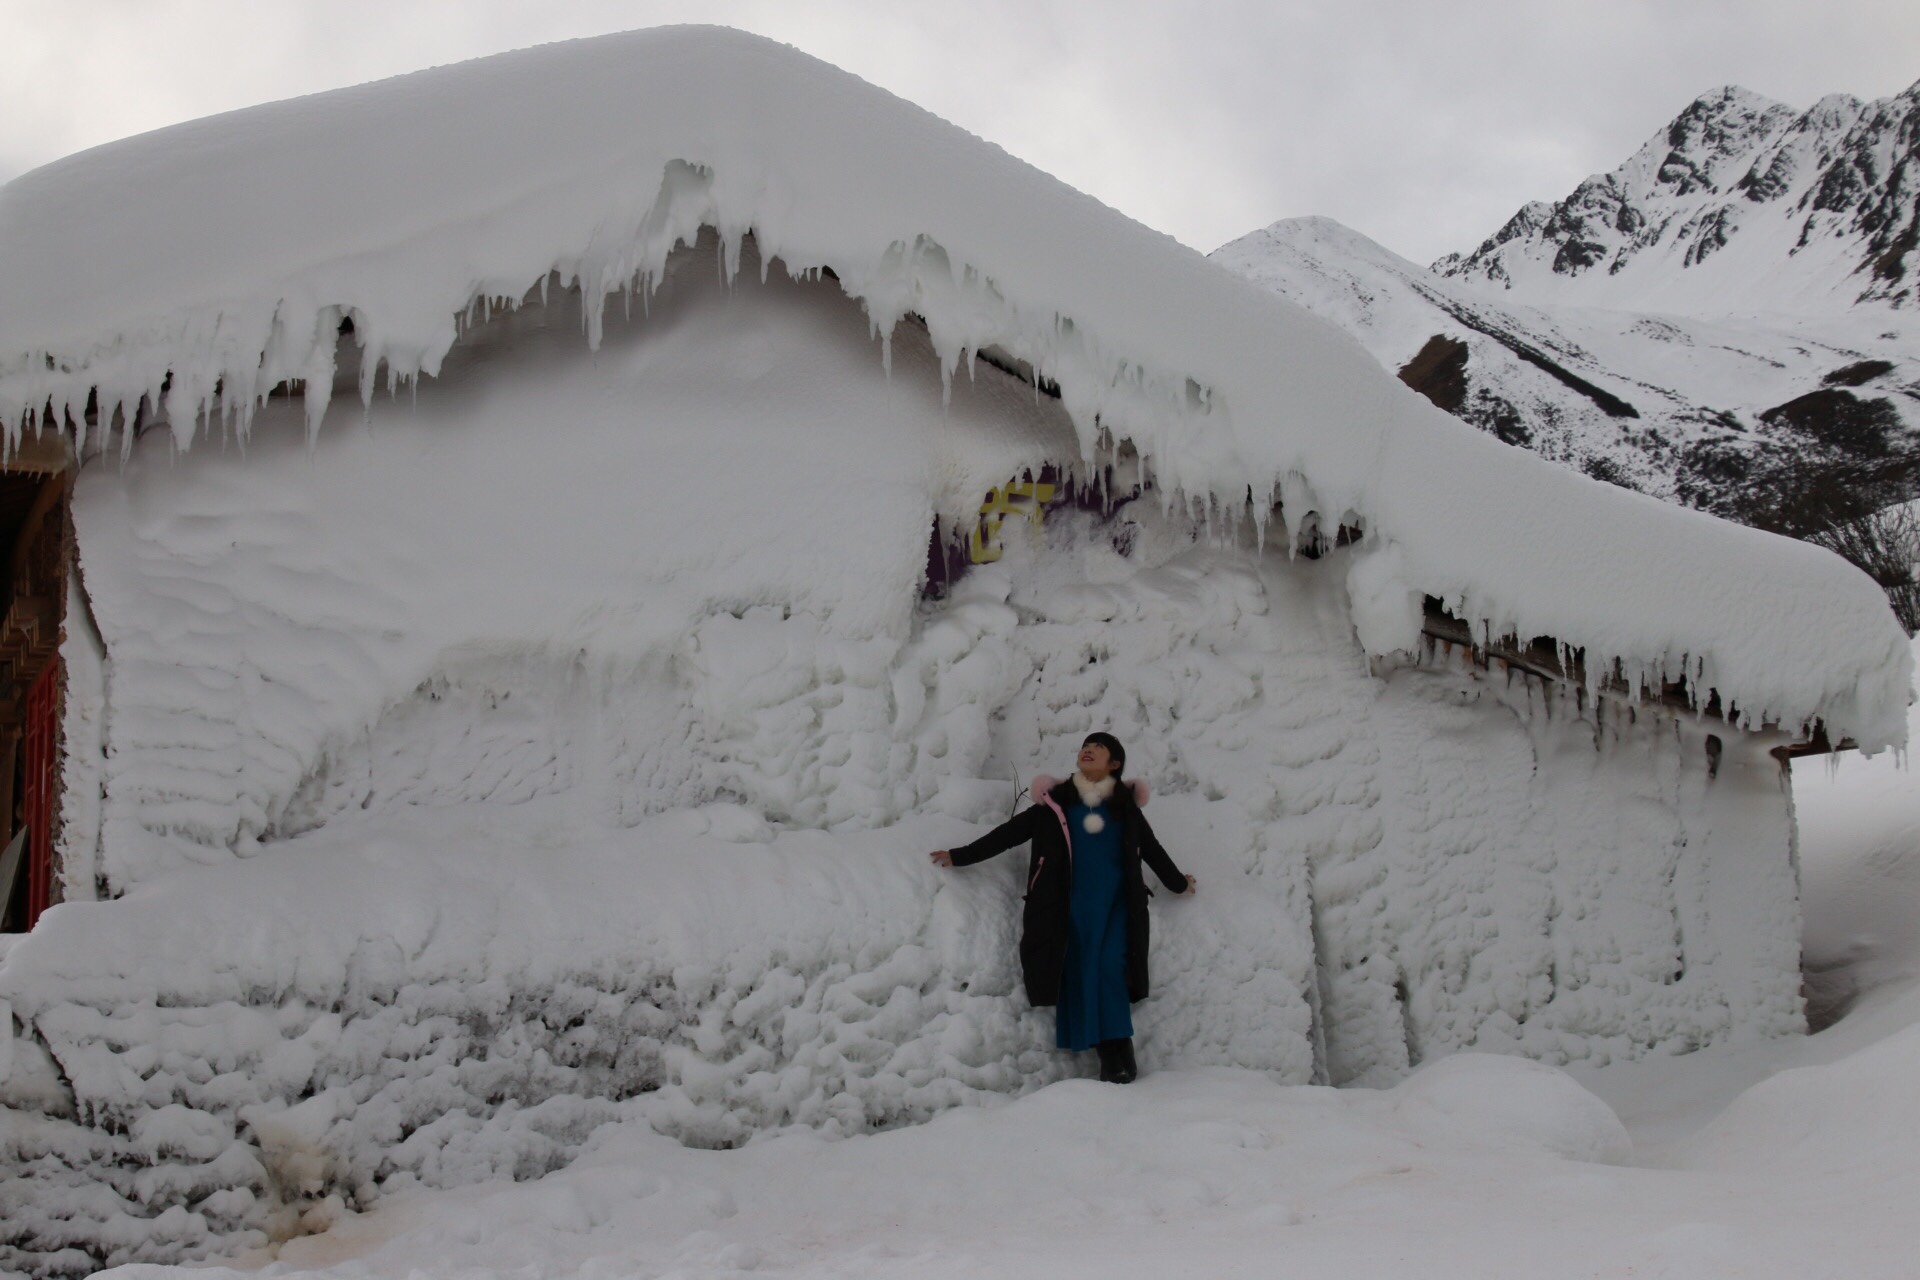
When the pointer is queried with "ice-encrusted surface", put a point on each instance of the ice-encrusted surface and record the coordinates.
(551, 884)
(408, 205)
(435, 986)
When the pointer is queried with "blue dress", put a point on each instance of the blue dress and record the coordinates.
(1093, 1002)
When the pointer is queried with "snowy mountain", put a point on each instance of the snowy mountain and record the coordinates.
(1724, 321)
(1739, 415)
(1739, 204)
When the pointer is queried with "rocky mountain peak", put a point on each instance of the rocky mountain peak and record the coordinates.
(1719, 132)
(1738, 203)
(1728, 320)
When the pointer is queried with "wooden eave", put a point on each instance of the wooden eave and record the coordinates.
(1543, 658)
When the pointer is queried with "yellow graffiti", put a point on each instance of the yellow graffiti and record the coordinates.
(1022, 499)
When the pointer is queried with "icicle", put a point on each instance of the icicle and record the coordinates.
(369, 371)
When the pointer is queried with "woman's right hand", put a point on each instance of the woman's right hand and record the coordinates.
(941, 858)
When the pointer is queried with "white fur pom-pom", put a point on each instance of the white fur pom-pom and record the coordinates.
(1094, 824)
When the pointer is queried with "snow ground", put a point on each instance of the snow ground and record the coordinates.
(1788, 1158)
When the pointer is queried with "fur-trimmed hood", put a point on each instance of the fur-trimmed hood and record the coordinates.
(1044, 783)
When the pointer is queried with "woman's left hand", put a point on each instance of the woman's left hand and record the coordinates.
(1193, 887)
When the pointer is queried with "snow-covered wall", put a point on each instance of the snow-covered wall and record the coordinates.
(1555, 877)
(544, 777)
(275, 614)
(412, 205)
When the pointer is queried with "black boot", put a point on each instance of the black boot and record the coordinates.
(1116, 1061)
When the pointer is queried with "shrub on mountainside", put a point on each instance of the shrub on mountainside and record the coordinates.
(1885, 543)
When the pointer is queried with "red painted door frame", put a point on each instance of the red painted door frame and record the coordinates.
(41, 791)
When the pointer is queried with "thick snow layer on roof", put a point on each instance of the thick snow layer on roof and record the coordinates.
(203, 265)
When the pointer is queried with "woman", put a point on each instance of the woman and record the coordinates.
(1083, 941)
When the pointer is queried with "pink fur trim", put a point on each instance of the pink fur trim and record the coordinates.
(1045, 782)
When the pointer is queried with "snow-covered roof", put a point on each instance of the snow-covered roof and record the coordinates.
(220, 256)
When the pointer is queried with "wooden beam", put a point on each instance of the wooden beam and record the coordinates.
(42, 452)
(1814, 744)
(29, 636)
(44, 503)
(1544, 661)
(9, 749)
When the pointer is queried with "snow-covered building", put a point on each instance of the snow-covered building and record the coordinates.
(504, 679)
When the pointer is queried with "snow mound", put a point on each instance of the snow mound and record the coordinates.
(1478, 1098)
(1207, 1172)
(1862, 1110)
(415, 207)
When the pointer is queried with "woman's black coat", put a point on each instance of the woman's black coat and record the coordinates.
(1043, 935)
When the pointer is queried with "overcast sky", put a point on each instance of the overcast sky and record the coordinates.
(1423, 124)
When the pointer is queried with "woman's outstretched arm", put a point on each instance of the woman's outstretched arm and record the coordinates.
(1154, 854)
(1015, 830)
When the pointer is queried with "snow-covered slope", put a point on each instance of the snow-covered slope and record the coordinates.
(410, 205)
(1736, 414)
(1740, 205)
